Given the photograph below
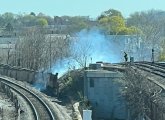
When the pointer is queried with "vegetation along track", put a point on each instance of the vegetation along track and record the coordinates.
(154, 68)
(40, 108)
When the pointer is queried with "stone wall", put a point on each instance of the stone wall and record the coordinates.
(21, 74)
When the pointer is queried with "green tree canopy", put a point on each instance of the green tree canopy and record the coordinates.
(113, 24)
(42, 22)
(75, 23)
(133, 30)
(110, 13)
(117, 24)
(32, 13)
(28, 20)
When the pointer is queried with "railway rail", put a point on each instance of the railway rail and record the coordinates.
(40, 109)
(156, 64)
(153, 68)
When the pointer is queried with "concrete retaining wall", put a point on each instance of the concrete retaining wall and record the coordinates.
(21, 74)
(101, 88)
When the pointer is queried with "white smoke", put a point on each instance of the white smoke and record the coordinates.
(89, 46)
(86, 46)
(97, 46)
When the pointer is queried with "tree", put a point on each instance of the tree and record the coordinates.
(110, 13)
(41, 14)
(78, 23)
(148, 23)
(28, 20)
(82, 47)
(8, 18)
(42, 22)
(58, 48)
(141, 95)
(9, 27)
(151, 28)
(49, 19)
(162, 56)
(2, 21)
(134, 30)
(32, 19)
(33, 49)
(32, 13)
(162, 52)
(117, 24)
(114, 24)
(8, 53)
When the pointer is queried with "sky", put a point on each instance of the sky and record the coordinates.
(91, 8)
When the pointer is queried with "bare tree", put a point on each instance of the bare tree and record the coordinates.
(60, 48)
(81, 50)
(151, 28)
(8, 52)
(33, 49)
(141, 94)
(30, 48)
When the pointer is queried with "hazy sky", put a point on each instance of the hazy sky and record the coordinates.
(91, 8)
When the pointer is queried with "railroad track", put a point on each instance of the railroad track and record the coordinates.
(155, 69)
(156, 64)
(40, 109)
(152, 68)
(161, 64)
